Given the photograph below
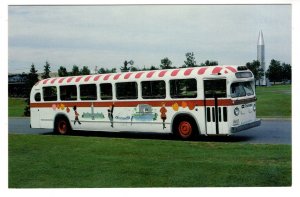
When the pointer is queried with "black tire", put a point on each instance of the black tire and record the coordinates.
(62, 125)
(185, 128)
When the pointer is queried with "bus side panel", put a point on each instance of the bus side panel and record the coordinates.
(35, 118)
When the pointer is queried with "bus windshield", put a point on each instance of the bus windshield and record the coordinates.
(241, 89)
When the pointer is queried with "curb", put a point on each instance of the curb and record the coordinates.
(275, 118)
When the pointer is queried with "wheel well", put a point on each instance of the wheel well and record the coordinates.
(184, 116)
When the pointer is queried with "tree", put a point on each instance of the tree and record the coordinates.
(32, 79)
(125, 68)
(62, 71)
(255, 68)
(286, 72)
(274, 72)
(75, 71)
(190, 60)
(211, 63)
(103, 70)
(166, 63)
(133, 69)
(153, 68)
(47, 71)
(85, 71)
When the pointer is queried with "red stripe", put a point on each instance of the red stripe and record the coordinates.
(117, 76)
(231, 69)
(162, 73)
(168, 103)
(97, 77)
(216, 70)
(150, 74)
(45, 81)
(53, 80)
(106, 77)
(138, 75)
(201, 71)
(127, 75)
(188, 71)
(61, 80)
(78, 78)
(69, 79)
(88, 78)
(174, 72)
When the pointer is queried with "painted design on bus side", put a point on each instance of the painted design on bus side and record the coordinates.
(163, 114)
(143, 112)
(189, 104)
(92, 115)
(76, 115)
(110, 113)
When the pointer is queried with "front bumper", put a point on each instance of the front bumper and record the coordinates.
(249, 125)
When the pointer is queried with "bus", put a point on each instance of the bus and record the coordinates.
(187, 102)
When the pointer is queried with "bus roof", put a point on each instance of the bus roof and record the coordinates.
(199, 72)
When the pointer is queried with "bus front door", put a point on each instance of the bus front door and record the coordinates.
(213, 91)
(212, 114)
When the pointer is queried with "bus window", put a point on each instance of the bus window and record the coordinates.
(153, 89)
(88, 92)
(37, 97)
(106, 91)
(50, 93)
(68, 93)
(183, 88)
(214, 88)
(241, 89)
(127, 90)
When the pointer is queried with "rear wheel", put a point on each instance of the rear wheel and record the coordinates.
(62, 126)
(185, 128)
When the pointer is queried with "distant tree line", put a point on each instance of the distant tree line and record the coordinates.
(277, 72)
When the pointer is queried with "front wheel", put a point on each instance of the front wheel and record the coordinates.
(62, 126)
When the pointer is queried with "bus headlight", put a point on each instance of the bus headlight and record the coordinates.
(236, 111)
(254, 107)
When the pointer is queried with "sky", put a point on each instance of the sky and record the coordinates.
(106, 36)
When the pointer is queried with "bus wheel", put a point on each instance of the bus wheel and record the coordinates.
(186, 129)
(62, 126)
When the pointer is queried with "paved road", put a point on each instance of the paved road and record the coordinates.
(270, 132)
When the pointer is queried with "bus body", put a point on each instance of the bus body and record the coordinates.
(214, 100)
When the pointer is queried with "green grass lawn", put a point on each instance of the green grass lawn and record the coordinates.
(16, 107)
(51, 161)
(274, 101)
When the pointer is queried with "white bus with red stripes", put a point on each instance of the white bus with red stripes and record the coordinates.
(214, 100)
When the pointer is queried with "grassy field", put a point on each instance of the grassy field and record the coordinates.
(274, 101)
(37, 161)
(16, 107)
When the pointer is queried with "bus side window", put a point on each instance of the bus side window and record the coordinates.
(37, 97)
(68, 93)
(50, 93)
(88, 92)
(183, 88)
(106, 91)
(126, 90)
(153, 89)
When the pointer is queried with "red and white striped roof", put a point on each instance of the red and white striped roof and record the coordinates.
(142, 75)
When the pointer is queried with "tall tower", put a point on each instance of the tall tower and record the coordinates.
(261, 56)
